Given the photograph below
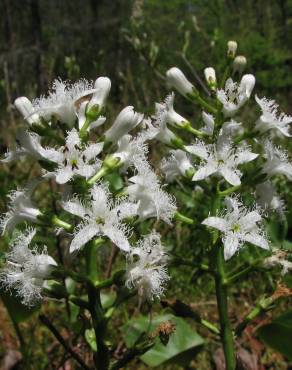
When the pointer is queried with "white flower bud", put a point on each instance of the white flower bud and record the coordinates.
(178, 80)
(247, 84)
(25, 108)
(239, 64)
(210, 76)
(102, 86)
(125, 122)
(231, 48)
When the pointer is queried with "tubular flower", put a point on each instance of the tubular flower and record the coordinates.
(178, 80)
(270, 120)
(126, 120)
(26, 109)
(102, 217)
(61, 102)
(27, 144)
(238, 225)
(170, 115)
(101, 88)
(209, 122)
(26, 269)
(178, 164)
(72, 159)
(277, 161)
(20, 208)
(234, 96)
(147, 191)
(221, 159)
(146, 267)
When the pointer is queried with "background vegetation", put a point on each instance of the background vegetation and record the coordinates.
(134, 43)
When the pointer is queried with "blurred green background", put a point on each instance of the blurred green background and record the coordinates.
(134, 43)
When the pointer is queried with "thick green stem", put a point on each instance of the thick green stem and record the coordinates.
(222, 302)
(99, 323)
(60, 223)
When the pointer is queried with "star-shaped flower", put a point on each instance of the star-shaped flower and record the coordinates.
(73, 159)
(101, 217)
(26, 269)
(222, 159)
(238, 225)
(146, 268)
(270, 119)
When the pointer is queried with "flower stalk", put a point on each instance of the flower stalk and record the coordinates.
(222, 303)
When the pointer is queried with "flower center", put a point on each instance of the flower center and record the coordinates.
(235, 228)
(99, 221)
(73, 163)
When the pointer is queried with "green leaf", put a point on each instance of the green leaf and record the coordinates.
(107, 299)
(90, 339)
(115, 181)
(16, 310)
(278, 334)
(181, 348)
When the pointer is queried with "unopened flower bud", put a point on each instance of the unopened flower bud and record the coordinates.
(231, 49)
(25, 108)
(102, 86)
(210, 76)
(178, 80)
(125, 122)
(239, 64)
(247, 84)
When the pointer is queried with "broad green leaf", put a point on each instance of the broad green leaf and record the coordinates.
(17, 311)
(182, 346)
(90, 339)
(278, 334)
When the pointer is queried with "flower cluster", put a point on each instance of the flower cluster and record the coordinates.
(227, 154)
(79, 108)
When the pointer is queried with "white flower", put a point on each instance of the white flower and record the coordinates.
(163, 133)
(126, 120)
(102, 88)
(279, 258)
(238, 226)
(20, 208)
(171, 116)
(147, 191)
(234, 96)
(277, 161)
(270, 120)
(221, 159)
(267, 197)
(146, 267)
(210, 76)
(231, 48)
(178, 164)
(81, 115)
(131, 148)
(73, 159)
(178, 80)
(61, 100)
(26, 269)
(239, 64)
(102, 217)
(209, 122)
(28, 143)
(26, 109)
